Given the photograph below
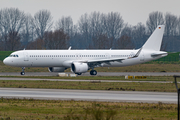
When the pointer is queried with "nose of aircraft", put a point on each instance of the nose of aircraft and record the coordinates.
(6, 61)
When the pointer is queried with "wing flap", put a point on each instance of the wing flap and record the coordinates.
(106, 60)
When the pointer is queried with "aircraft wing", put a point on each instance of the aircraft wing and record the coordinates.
(99, 61)
(106, 60)
(93, 63)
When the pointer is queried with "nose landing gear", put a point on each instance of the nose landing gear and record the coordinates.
(23, 73)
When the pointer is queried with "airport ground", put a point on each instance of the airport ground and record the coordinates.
(84, 110)
(62, 109)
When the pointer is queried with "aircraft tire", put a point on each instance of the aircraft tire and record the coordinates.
(93, 72)
(22, 73)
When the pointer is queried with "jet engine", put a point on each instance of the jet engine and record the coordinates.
(79, 67)
(56, 69)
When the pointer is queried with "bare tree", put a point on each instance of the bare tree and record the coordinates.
(27, 33)
(36, 44)
(84, 29)
(124, 42)
(102, 42)
(13, 41)
(96, 24)
(11, 21)
(42, 22)
(138, 36)
(127, 30)
(65, 24)
(178, 27)
(155, 19)
(171, 23)
(114, 25)
(56, 40)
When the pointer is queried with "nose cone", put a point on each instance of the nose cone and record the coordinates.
(6, 61)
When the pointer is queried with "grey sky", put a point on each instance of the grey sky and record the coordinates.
(132, 11)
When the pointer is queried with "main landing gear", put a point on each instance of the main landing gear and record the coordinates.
(93, 72)
(23, 73)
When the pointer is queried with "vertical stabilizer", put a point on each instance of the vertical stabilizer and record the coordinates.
(155, 40)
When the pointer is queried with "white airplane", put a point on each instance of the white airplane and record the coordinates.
(80, 61)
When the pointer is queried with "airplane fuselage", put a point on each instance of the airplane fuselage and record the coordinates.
(60, 58)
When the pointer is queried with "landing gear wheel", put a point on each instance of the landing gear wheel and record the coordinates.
(93, 72)
(23, 73)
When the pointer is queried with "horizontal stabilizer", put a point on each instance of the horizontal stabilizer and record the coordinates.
(159, 54)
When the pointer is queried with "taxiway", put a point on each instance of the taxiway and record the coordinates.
(89, 95)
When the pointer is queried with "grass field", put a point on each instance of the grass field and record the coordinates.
(148, 78)
(81, 110)
(121, 86)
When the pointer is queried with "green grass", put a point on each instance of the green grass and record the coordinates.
(120, 86)
(149, 78)
(82, 110)
(4, 54)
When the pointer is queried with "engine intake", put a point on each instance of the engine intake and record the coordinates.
(79, 67)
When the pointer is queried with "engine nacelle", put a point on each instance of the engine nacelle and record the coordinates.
(79, 67)
(56, 69)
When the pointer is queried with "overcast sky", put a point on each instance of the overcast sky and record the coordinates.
(132, 11)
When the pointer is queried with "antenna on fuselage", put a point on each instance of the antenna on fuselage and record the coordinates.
(69, 48)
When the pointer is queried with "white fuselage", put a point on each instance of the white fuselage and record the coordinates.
(64, 58)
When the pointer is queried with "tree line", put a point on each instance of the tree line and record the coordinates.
(19, 30)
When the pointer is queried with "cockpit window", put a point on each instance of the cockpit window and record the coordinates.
(13, 56)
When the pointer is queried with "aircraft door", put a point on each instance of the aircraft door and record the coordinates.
(26, 58)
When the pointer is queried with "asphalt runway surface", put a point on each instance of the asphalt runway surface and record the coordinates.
(98, 74)
(89, 95)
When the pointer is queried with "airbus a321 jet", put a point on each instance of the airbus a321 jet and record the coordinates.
(80, 61)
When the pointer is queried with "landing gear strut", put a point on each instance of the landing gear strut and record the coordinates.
(93, 72)
(23, 73)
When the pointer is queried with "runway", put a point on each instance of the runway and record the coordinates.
(98, 74)
(89, 95)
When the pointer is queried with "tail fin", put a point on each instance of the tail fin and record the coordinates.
(155, 40)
